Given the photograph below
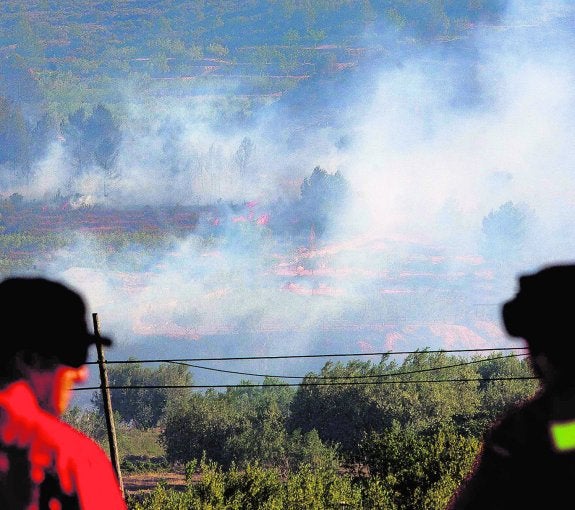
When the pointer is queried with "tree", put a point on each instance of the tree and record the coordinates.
(14, 135)
(144, 407)
(267, 441)
(105, 135)
(244, 154)
(431, 405)
(242, 425)
(264, 441)
(343, 413)
(92, 139)
(505, 231)
(43, 133)
(201, 425)
(420, 469)
(322, 198)
(340, 414)
(498, 396)
(74, 138)
(89, 421)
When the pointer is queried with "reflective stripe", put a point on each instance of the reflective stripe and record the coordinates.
(563, 435)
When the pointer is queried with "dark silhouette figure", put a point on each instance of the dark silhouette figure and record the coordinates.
(527, 459)
(45, 464)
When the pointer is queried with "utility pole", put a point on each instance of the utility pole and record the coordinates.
(107, 405)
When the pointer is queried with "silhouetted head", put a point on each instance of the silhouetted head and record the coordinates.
(542, 313)
(43, 326)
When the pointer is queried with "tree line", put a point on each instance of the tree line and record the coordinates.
(391, 434)
(91, 138)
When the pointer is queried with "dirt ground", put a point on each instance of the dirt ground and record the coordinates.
(140, 483)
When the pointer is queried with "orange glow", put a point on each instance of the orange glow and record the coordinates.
(64, 381)
(53, 387)
(81, 466)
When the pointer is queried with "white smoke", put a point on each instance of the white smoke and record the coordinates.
(425, 171)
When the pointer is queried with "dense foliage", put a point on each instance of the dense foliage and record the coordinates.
(256, 487)
(389, 435)
(144, 408)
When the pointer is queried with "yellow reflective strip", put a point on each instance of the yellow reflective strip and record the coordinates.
(563, 435)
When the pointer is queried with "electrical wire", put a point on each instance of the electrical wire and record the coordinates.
(336, 379)
(364, 376)
(301, 356)
(349, 383)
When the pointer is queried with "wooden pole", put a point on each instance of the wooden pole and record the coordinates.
(107, 405)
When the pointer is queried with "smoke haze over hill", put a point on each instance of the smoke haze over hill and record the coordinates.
(430, 142)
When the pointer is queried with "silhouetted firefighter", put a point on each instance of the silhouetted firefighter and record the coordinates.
(44, 463)
(527, 459)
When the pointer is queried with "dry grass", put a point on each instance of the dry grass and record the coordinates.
(139, 483)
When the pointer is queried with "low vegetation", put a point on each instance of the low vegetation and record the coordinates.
(362, 435)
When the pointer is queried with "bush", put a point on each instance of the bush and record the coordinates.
(419, 469)
(260, 488)
(135, 464)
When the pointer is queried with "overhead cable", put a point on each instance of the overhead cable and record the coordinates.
(363, 376)
(298, 356)
(270, 385)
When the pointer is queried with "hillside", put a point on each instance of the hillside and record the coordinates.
(67, 54)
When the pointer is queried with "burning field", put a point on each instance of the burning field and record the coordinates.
(393, 212)
(213, 275)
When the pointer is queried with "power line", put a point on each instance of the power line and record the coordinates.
(364, 376)
(351, 383)
(300, 356)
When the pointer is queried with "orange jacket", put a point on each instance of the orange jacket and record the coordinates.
(54, 449)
